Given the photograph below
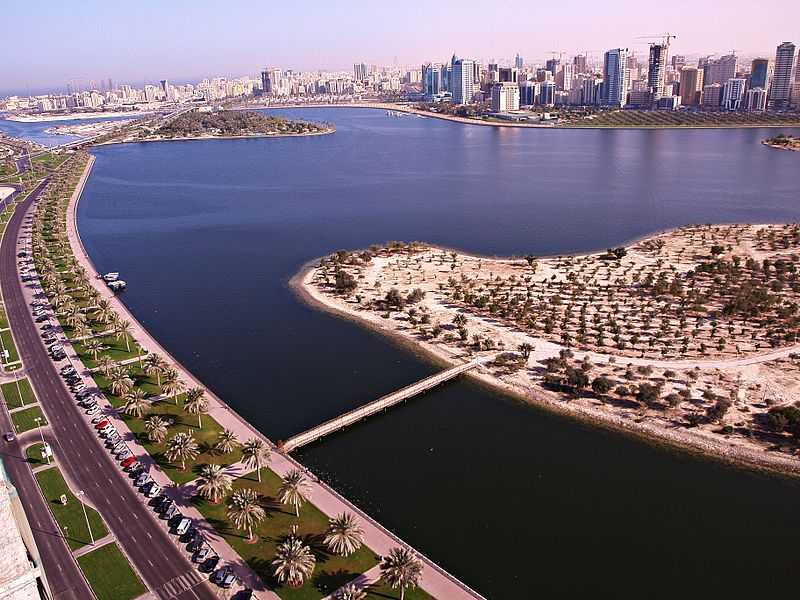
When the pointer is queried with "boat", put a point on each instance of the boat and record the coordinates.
(109, 277)
(117, 285)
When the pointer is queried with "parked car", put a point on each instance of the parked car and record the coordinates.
(128, 461)
(210, 564)
(170, 512)
(183, 526)
(101, 424)
(93, 409)
(153, 491)
(141, 479)
(165, 505)
(9, 436)
(220, 575)
(201, 554)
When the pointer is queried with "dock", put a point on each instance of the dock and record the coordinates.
(382, 403)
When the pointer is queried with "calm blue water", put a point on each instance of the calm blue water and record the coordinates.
(36, 132)
(516, 502)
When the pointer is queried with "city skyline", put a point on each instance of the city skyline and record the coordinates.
(185, 41)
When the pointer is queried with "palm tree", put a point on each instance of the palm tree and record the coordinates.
(155, 365)
(183, 447)
(401, 569)
(122, 330)
(255, 454)
(105, 364)
(196, 404)
(351, 591)
(136, 403)
(81, 330)
(120, 380)
(104, 312)
(294, 562)
(214, 483)
(156, 429)
(344, 535)
(94, 347)
(226, 442)
(245, 511)
(171, 385)
(294, 490)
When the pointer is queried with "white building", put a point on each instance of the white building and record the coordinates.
(733, 93)
(615, 68)
(462, 80)
(780, 92)
(756, 99)
(505, 97)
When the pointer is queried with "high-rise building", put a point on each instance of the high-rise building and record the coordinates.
(564, 77)
(759, 73)
(518, 62)
(579, 62)
(505, 96)
(733, 93)
(615, 66)
(720, 70)
(712, 95)
(657, 70)
(756, 99)
(678, 62)
(462, 80)
(431, 79)
(508, 74)
(529, 93)
(552, 65)
(780, 92)
(691, 84)
(547, 93)
(590, 90)
(360, 72)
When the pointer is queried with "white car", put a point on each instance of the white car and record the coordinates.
(93, 410)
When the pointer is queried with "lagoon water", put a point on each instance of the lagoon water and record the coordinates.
(516, 502)
(37, 131)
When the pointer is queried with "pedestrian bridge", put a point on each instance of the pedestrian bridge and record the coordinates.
(371, 408)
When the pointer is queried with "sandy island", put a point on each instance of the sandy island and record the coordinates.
(688, 337)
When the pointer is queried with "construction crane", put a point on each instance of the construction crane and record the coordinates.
(665, 37)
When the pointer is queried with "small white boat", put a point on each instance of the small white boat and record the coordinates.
(109, 277)
(117, 285)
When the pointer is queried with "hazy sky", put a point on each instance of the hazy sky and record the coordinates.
(46, 43)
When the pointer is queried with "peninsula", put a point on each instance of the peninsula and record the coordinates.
(688, 337)
(209, 124)
(783, 142)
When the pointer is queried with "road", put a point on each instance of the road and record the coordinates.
(165, 568)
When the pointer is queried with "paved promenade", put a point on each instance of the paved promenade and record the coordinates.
(435, 580)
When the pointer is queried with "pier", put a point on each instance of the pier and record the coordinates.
(382, 403)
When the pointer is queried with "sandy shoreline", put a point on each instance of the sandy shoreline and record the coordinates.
(73, 117)
(538, 397)
(255, 136)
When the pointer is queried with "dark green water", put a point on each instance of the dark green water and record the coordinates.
(516, 502)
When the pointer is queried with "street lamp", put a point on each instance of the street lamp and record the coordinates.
(39, 425)
(85, 516)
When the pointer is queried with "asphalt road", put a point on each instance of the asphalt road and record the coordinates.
(164, 566)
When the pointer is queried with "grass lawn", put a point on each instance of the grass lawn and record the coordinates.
(147, 383)
(12, 394)
(331, 571)
(115, 348)
(110, 574)
(3, 318)
(24, 419)
(69, 515)
(34, 454)
(8, 344)
(183, 421)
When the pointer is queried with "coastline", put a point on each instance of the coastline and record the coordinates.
(467, 121)
(73, 117)
(780, 146)
(553, 402)
(253, 136)
(435, 579)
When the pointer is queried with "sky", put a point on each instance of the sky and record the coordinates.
(47, 43)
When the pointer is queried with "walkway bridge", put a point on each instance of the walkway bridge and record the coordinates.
(362, 412)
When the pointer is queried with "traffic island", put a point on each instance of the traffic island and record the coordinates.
(110, 575)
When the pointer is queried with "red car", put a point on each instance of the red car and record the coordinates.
(128, 462)
(101, 424)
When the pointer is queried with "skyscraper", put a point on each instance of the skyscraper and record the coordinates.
(579, 62)
(552, 65)
(518, 62)
(781, 90)
(462, 80)
(505, 97)
(759, 73)
(720, 69)
(431, 79)
(615, 66)
(657, 70)
(360, 72)
(691, 84)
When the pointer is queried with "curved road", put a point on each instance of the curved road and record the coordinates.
(165, 567)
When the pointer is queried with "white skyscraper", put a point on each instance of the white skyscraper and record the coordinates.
(505, 97)
(733, 93)
(462, 80)
(615, 65)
